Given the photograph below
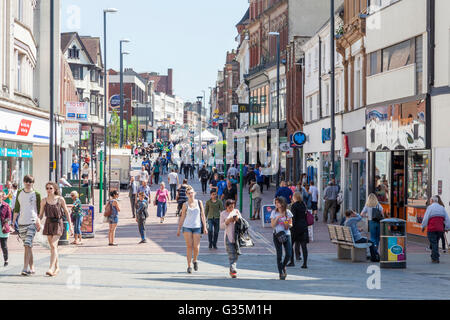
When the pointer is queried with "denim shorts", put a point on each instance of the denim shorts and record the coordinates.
(192, 230)
(114, 219)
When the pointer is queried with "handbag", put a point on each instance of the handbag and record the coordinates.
(281, 236)
(377, 216)
(156, 198)
(108, 210)
(309, 218)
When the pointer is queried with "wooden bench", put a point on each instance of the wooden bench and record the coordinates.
(346, 246)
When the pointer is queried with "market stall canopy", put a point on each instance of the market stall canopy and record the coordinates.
(207, 136)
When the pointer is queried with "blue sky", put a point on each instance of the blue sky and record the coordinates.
(192, 37)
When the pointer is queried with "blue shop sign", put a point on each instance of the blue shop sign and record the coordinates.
(298, 139)
(14, 153)
(326, 135)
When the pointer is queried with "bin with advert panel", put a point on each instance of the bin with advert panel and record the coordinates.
(393, 244)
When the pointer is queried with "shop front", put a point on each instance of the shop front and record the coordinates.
(400, 160)
(355, 170)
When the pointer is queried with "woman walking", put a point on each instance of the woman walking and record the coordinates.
(53, 207)
(114, 217)
(77, 217)
(281, 221)
(191, 223)
(5, 218)
(300, 236)
(228, 219)
(374, 213)
(161, 200)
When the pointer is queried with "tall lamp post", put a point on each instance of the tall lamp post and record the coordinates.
(105, 12)
(333, 76)
(121, 89)
(199, 100)
(277, 34)
(52, 86)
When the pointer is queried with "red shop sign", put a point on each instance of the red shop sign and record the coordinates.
(24, 128)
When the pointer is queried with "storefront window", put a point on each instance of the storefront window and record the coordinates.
(326, 168)
(15, 162)
(312, 164)
(418, 174)
(382, 176)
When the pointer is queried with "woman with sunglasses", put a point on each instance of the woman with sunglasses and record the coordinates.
(114, 217)
(77, 217)
(192, 222)
(54, 207)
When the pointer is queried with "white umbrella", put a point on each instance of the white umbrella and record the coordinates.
(206, 136)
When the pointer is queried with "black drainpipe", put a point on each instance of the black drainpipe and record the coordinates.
(431, 32)
(320, 78)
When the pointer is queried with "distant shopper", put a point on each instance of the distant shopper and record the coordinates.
(114, 217)
(203, 174)
(213, 182)
(161, 200)
(285, 192)
(191, 223)
(28, 202)
(352, 219)
(255, 190)
(173, 183)
(330, 196)
(156, 170)
(145, 189)
(306, 196)
(314, 199)
(436, 221)
(5, 219)
(77, 217)
(181, 196)
(299, 231)
(374, 213)
(281, 221)
(213, 208)
(228, 219)
(143, 175)
(132, 194)
(8, 193)
(230, 193)
(54, 207)
(142, 215)
(221, 186)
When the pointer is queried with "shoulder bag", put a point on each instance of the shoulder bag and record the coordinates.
(377, 216)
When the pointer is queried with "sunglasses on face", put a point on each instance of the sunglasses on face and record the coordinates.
(49, 188)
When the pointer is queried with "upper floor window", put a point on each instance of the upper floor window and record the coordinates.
(77, 72)
(74, 53)
(393, 57)
(376, 5)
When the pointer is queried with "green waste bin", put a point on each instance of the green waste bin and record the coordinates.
(393, 244)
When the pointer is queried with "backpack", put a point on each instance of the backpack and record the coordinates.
(377, 216)
(108, 210)
(204, 174)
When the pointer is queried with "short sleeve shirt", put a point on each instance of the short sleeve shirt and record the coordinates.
(281, 222)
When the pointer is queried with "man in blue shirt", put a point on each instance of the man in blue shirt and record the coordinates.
(259, 177)
(284, 192)
(75, 169)
(221, 186)
(352, 219)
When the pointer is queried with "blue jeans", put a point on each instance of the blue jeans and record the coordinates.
(141, 225)
(434, 237)
(77, 225)
(75, 176)
(213, 231)
(287, 253)
(162, 208)
(374, 228)
(232, 254)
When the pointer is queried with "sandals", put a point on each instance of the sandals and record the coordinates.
(50, 274)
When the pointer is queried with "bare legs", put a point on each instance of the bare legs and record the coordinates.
(28, 259)
(54, 266)
(192, 246)
(112, 233)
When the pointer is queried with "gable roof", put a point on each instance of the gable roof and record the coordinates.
(245, 18)
(92, 45)
(66, 40)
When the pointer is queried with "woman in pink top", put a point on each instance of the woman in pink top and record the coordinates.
(161, 199)
(228, 219)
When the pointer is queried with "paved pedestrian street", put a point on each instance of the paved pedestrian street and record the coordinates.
(157, 270)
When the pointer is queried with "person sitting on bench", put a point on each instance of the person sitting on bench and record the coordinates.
(352, 219)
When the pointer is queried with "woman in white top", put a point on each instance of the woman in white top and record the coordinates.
(374, 223)
(281, 221)
(192, 222)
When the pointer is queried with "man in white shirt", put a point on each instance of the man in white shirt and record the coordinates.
(143, 175)
(173, 182)
(28, 203)
(233, 172)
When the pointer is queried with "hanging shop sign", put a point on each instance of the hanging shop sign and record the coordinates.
(77, 111)
(284, 147)
(326, 135)
(298, 139)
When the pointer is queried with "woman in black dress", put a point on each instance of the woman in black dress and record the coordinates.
(299, 230)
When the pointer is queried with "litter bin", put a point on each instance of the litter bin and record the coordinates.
(393, 244)
(64, 239)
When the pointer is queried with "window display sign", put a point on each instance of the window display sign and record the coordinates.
(396, 127)
(87, 226)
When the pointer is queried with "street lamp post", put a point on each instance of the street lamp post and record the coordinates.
(52, 85)
(199, 100)
(333, 76)
(277, 34)
(110, 10)
(121, 90)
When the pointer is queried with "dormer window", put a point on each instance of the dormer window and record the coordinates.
(74, 53)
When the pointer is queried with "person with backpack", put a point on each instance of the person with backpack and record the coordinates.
(53, 207)
(161, 200)
(5, 218)
(28, 202)
(142, 215)
(299, 230)
(374, 213)
(203, 174)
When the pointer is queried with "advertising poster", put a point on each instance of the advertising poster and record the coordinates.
(77, 111)
(396, 249)
(267, 211)
(87, 226)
